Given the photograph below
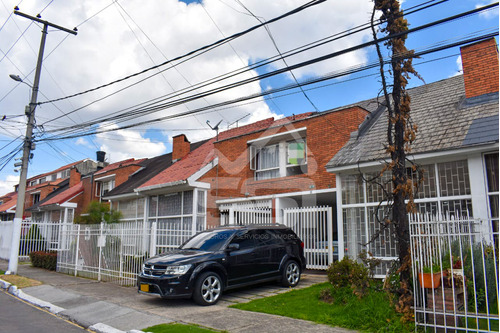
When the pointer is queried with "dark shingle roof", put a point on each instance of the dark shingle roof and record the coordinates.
(445, 120)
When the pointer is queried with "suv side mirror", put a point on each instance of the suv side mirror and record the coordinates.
(233, 247)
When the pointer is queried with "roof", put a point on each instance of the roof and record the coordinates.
(150, 168)
(185, 167)
(120, 164)
(445, 120)
(49, 183)
(63, 196)
(9, 204)
(64, 167)
(63, 186)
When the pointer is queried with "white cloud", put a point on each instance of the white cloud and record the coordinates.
(488, 14)
(105, 50)
(7, 184)
(83, 142)
(124, 144)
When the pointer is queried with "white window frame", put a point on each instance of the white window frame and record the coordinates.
(283, 165)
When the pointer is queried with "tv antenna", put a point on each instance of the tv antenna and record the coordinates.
(215, 128)
(237, 120)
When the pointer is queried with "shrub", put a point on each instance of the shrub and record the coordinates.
(44, 259)
(349, 273)
(33, 240)
(98, 212)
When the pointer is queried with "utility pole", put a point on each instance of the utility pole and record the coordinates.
(27, 147)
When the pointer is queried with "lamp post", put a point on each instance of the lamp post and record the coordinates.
(28, 142)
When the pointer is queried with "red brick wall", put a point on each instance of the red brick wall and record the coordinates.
(74, 177)
(480, 65)
(180, 147)
(325, 136)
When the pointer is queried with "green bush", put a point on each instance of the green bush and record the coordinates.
(44, 259)
(349, 273)
(33, 240)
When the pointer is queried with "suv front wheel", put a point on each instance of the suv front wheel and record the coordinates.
(207, 289)
(291, 274)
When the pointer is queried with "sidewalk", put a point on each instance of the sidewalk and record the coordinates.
(106, 307)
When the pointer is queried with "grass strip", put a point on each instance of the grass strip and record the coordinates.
(177, 328)
(372, 313)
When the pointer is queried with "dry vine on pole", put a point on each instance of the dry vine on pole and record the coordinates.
(401, 132)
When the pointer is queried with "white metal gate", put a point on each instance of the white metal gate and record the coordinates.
(314, 226)
(245, 216)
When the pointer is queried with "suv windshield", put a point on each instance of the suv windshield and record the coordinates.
(208, 241)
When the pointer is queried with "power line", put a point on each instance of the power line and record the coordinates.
(200, 50)
(417, 54)
(254, 66)
(151, 108)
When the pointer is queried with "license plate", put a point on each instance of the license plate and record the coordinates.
(145, 288)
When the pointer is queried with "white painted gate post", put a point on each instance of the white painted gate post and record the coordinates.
(152, 242)
(77, 250)
(329, 221)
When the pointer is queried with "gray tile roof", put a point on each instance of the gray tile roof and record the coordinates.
(445, 120)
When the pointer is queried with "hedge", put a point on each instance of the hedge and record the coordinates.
(44, 259)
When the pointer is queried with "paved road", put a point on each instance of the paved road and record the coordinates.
(17, 316)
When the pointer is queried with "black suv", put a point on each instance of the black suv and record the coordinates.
(219, 259)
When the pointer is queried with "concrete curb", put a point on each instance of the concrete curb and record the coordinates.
(13, 290)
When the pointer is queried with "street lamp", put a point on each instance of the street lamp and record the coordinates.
(15, 78)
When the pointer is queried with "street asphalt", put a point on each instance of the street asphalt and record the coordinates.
(109, 308)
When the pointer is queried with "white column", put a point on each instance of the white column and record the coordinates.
(478, 190)
(340, 222)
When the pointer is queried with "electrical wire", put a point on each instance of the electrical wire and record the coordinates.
(149, 109)
(198, 51)
(256, 65)
(417, 54)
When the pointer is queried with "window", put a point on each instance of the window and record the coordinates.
(36, 197)
(107, 186)
(245, 240)
(286, 158)
(267, 160)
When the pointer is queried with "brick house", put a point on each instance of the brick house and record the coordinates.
(41, 187)
(8, 206)
(456, 146)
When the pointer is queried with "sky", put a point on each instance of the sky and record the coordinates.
(119, 38)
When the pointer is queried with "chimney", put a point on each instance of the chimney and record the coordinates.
(74, 177)
(100, 156)
(181, 147)
(480, 66)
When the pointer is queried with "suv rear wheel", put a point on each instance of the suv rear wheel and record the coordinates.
(207, 289)
(291, 274)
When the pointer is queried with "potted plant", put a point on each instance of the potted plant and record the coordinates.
(430, 277)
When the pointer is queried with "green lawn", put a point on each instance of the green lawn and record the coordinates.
(177, 328)
(2, 272)
(372, 313)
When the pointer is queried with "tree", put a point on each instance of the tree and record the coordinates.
(401, 132)
(98, 212)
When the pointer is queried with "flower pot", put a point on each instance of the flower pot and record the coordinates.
(430, 280)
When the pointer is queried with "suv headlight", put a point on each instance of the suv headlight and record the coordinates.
(177, 270)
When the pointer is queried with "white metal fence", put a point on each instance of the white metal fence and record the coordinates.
(115, 252)
(314, 227)
(455, 274)
(35, 236)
